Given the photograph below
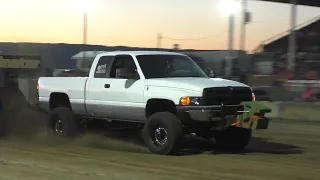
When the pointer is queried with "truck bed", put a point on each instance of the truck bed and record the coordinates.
(73, 86)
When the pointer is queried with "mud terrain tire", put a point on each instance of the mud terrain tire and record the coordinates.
(162, 133)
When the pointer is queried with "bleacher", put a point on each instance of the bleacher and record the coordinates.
(308, 49)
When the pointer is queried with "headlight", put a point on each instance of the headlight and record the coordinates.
(190, 101)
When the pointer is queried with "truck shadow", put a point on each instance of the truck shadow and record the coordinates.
(263, 145)
(197, 145)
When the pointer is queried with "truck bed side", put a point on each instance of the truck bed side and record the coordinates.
(73, 87)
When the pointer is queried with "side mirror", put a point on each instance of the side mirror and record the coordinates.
(125, 73)
(209, 72)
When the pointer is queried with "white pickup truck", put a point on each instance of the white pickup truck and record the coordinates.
(167, 93)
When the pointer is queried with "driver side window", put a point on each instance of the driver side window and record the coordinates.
(124, 64)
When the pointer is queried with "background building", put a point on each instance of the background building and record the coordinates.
(273, 52)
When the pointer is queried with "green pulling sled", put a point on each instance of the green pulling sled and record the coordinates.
(253, 116)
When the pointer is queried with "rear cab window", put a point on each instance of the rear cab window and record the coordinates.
(103, 67)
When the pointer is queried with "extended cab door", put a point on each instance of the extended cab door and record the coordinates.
(95, 90)
(120, 95)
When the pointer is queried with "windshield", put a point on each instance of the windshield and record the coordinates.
(162, 66)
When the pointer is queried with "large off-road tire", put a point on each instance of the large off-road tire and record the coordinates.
(233, 139)
(62, 122)
(162, 133)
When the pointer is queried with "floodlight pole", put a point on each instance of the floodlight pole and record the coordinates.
(243, 25)
(85, 33)
(292, 37)
(231, 32)
(85, 27)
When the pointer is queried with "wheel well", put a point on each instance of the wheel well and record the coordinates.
(160, 105)
(58, 100)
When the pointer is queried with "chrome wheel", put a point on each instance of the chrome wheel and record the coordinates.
(160, 136)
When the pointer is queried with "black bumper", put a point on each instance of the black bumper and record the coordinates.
(208, 113)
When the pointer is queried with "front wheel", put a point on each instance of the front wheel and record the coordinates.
(162, 133)
(233, 139)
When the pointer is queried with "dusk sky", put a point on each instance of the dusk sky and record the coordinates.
(137, 22)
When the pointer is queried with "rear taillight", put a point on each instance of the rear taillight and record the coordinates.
(37, 92)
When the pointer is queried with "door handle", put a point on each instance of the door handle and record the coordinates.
(107, 86)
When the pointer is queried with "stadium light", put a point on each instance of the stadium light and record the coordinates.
(228, 7)
(82, 6)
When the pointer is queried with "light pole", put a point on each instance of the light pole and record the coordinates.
(231, 32)
(85, 33)
(291, 55)
(83, 7)
(229, 8)
(245, 19)
(159, 39)
(85, 27)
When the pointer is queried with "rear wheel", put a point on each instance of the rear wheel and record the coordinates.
(233, 139)
(162, 133)
(62, 122)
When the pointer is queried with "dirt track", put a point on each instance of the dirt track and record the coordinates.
(287, 151)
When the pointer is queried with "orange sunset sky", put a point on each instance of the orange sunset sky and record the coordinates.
(137, 22)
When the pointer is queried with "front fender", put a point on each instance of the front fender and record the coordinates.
(173, 94)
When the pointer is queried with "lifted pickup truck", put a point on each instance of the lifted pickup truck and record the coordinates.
(167, 93)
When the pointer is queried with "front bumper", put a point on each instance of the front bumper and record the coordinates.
(209, 113)
(248, 114)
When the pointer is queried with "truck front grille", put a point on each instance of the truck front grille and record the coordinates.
(226, 95)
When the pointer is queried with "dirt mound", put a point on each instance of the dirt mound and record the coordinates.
(17, 117)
